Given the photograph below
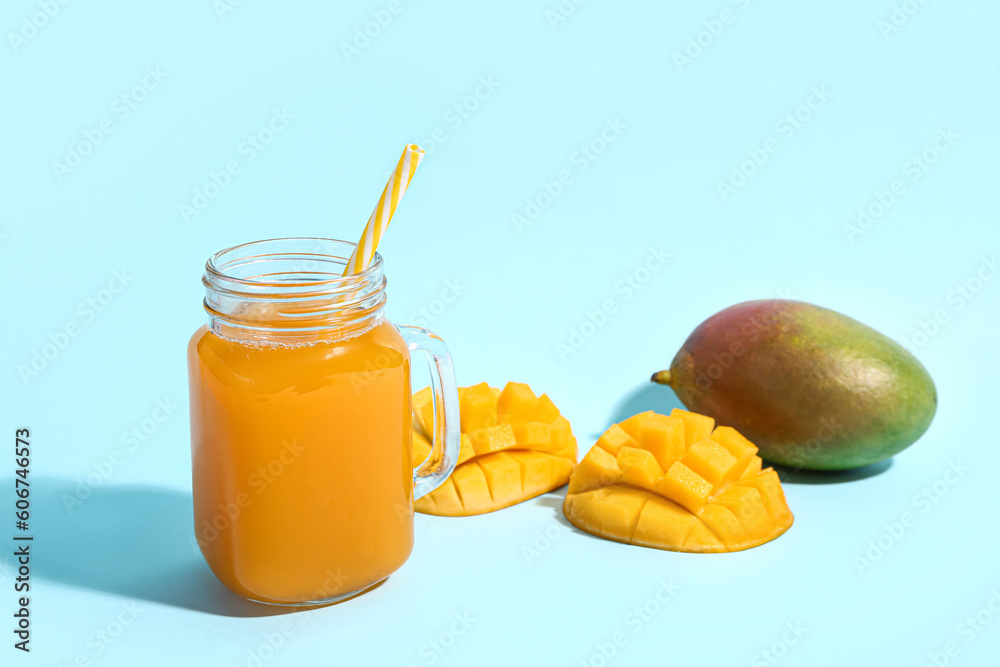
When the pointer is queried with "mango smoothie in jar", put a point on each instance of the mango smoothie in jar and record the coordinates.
(301, 425)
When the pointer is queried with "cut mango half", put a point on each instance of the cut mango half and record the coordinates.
(677, 482)
(515, 446)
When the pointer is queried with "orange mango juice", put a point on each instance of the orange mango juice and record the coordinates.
(301, 458)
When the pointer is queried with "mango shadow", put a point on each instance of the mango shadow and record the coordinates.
(131, 541)
(553, 501)
(647, 396)
(796, 476)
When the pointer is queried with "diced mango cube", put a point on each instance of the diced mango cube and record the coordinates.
(470, 482)
(500, 463)
(442, 500)
(703, 540)
(738, 446)
(662, 522)
(639, 468)
(614, 439)
(423, 412)
(503, 477)
(517, 403)
(710, 460)
(466, 451)
(533, 435)
(664, 437)
(696, 427)
(771, 494)
(620, 512)
(685, 487)
(633, 425)
(746, 505)
(598, 468)
(478, 407)
(493, 439)
(421, 449)
(563, 442)
(584, 509)
(545, 410)
(542, 472)
(753, 468)
(725, 525)
(713, 496)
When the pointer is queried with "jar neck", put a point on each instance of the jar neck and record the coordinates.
(287, 291)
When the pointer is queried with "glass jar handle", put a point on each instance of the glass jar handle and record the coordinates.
(440, 463)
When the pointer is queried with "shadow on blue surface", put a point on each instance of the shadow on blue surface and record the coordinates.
(132, 541)
(643, 397)
(794, 476)
(554, 501)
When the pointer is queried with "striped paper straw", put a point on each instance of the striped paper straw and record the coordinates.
(382, 215)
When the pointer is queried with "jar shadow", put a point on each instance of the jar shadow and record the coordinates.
(133, 541)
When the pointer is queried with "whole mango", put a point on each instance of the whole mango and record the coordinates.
(812, 388)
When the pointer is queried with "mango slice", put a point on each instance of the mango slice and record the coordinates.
(515, 446)
(677, 482)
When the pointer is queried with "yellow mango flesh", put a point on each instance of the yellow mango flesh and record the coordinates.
(639, 467)
(664, 437)
(742, 449)
(679, 483)
(514, 446)
(685, 487)
(478, 406)
(662, 521)
(696, 427)
(602, 470)
(492, 439)
(710, 460)
(423, 413)
(614, 439)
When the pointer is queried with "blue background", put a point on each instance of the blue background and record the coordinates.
(522, 290)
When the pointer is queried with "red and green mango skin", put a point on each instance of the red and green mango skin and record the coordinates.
(812, 388)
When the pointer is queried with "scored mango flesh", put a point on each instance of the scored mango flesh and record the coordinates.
(677, 483)
(515, 446)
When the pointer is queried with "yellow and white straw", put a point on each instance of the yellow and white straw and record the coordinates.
(382, 215)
